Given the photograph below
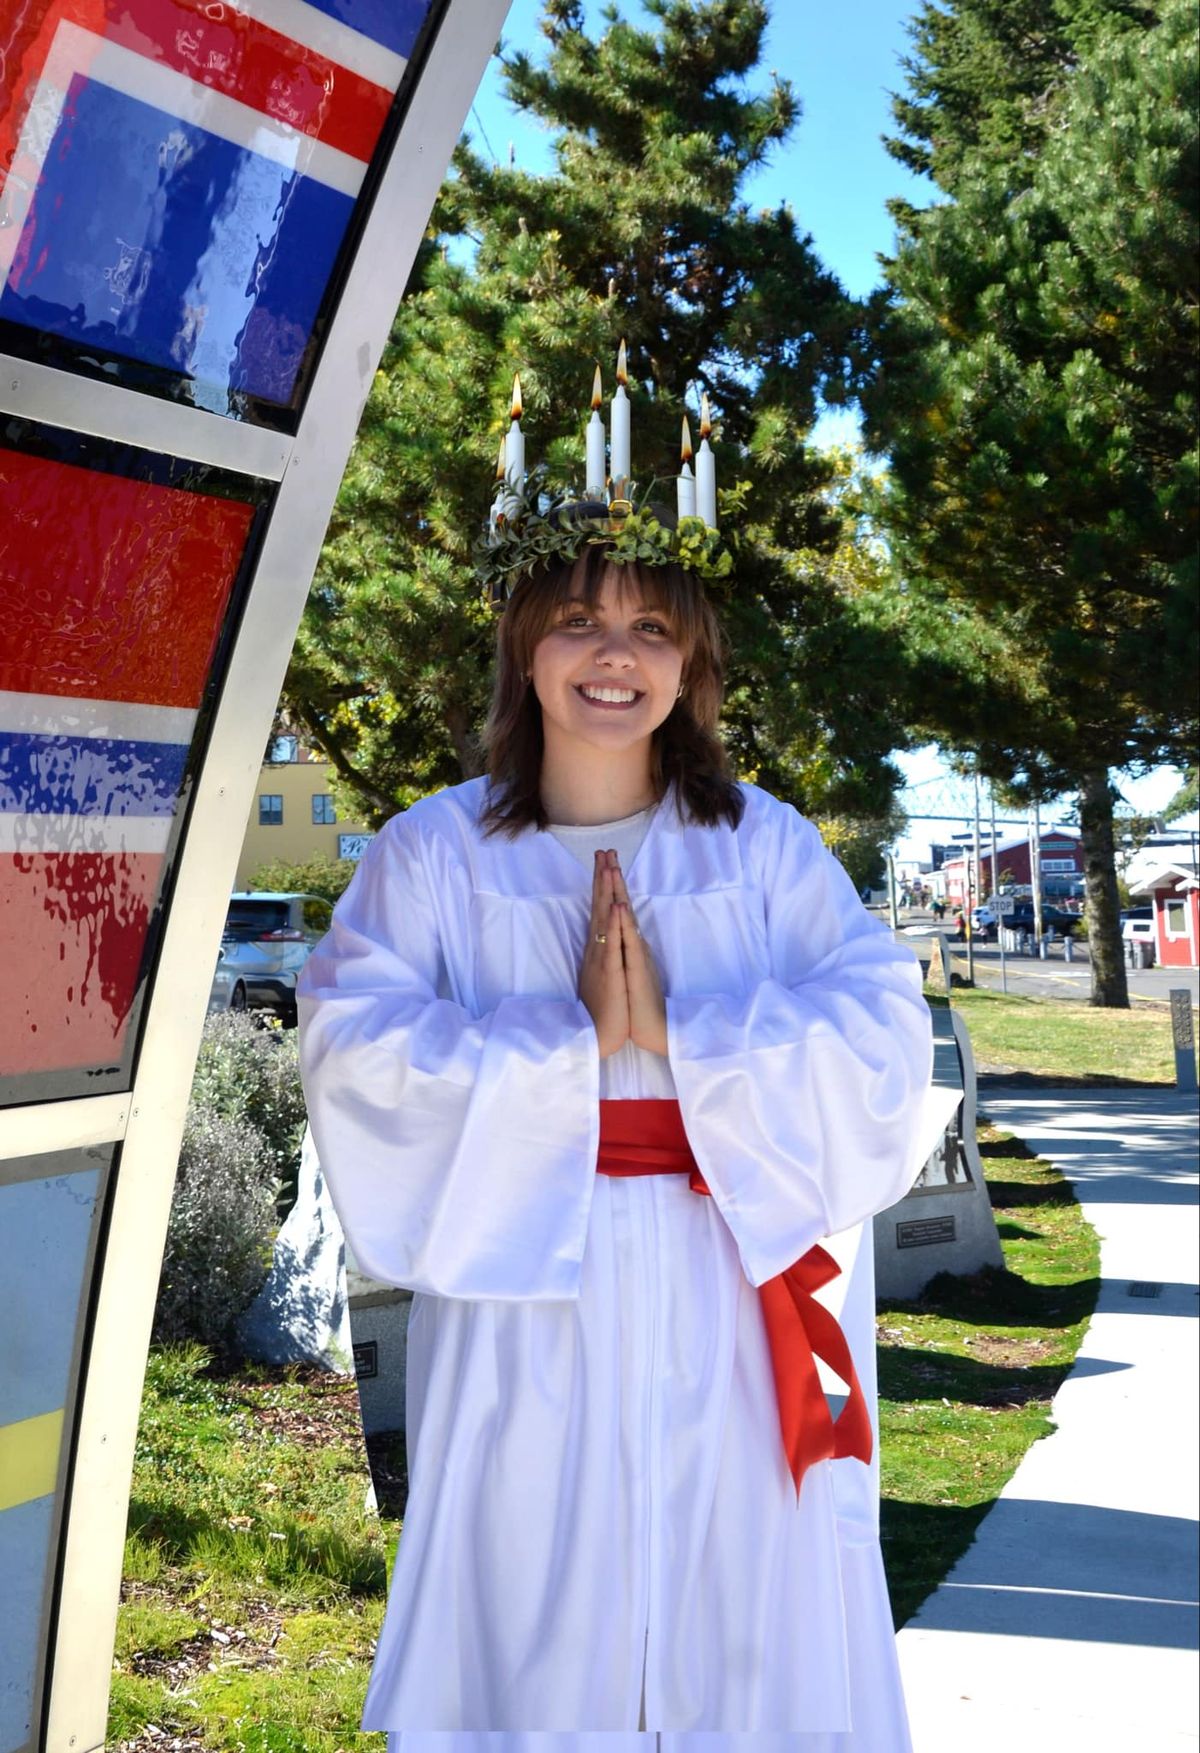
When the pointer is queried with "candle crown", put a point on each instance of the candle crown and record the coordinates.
(531, 526)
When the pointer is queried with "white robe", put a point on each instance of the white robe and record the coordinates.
(602, 1532)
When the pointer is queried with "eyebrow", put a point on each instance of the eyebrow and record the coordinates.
(641, 609)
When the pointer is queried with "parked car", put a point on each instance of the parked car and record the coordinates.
(268, 938)
(1021, 918)
(228, 991)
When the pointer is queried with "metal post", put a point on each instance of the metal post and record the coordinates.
(1035, 871)
(893, 909)
(970, 908)
(996, 900)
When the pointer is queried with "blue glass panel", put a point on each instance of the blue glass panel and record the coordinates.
(152, 238)
(25, 1535)
(68, 775)
(46, 1225)
(50, 1206)
(394, 23)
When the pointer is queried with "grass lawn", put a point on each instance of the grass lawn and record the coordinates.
(255, 1576)
(966, 1375)
(1072, 1042)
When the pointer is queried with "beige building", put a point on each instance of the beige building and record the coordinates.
(293, 815)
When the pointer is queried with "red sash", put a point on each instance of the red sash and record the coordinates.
(647, 1138)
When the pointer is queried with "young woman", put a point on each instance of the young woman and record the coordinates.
(597, 1050)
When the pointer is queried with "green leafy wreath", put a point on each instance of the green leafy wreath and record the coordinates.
(535, 530)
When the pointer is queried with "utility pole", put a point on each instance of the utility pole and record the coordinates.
(996, 899)
(978, 861)
(893, 909)
(1035, 873)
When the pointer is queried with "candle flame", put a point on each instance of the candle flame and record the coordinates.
(500, 463)
(517, 405)
(597, 389)
(705, 416)
(685, 448)
(622, 365)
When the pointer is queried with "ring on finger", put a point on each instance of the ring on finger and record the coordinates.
(602, 937)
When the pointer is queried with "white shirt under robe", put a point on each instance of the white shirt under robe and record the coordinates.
(602, 1531)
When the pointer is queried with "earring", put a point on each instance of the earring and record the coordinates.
(679, 696)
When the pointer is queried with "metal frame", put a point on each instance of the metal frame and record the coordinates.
(149, 1119)
(106, 410)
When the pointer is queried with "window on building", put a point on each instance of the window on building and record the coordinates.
(323, 810)
(1058, 864)
(284, 748)
(1176, 919)
(270, 809)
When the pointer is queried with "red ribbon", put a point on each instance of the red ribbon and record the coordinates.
(648, 1138)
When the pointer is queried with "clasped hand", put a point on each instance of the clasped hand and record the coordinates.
(618, 981)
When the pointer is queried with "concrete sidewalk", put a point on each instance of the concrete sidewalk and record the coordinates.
(1072, 1621)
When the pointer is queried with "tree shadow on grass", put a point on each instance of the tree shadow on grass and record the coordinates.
(998, 1298)
(1015, 1149)
(274, 1549)
(1011, 1195)
(921, 1542)
(907, 1374)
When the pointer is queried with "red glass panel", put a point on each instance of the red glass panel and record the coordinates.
(111, 589)
(75, 926)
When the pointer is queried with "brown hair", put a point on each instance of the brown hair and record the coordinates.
(686, 750)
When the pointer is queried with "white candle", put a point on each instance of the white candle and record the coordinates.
(685, 486)
(706, 470)
(514, 445)
(597, 473)
(620, 428)
(498, 488)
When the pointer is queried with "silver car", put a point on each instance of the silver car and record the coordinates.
(267, 940)
(228, 991)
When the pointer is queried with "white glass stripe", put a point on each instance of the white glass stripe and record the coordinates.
(106, 410)
(57, 715)
(32, 834)
(153, 83)
(326, 36)
(33, 143)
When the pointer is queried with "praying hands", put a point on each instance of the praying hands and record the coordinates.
(618, 981)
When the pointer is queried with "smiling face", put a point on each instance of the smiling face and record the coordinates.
(607, 676)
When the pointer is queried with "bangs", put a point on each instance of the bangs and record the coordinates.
(665, 590)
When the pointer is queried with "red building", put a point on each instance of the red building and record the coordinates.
(1061, 865)
(1174, 892)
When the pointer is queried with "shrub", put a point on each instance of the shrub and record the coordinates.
(248, 1070)
(219, 1234)
(327, 877)
(241, 1146)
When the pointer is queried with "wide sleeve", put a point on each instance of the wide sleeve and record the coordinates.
(460, 1150)
(806, 1098)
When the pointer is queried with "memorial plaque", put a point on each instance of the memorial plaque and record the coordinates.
(366, 1360)
(923, 1232)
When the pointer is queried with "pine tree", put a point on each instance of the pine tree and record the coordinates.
(641, 231)
(1037, 405)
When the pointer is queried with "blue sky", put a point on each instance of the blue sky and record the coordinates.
(842, 60)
